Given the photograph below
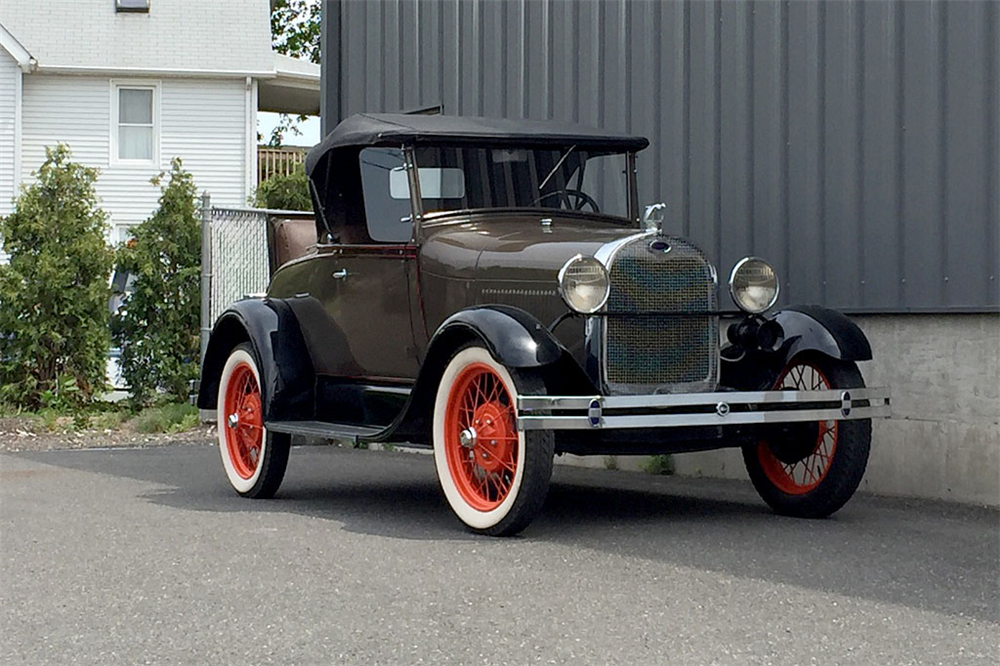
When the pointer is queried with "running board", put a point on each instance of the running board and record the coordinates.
(342, 431)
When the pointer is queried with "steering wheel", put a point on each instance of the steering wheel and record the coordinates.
(582, 199)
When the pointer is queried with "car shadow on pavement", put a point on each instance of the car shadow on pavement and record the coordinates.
(925, 555)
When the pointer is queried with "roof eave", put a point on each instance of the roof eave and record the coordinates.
(25, 61)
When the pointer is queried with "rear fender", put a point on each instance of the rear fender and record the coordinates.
(287, 375)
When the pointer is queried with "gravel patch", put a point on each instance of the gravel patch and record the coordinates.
(21, 433)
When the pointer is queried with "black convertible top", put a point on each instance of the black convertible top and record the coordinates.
(374, 129)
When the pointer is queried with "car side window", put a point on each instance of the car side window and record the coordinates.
(387, 210)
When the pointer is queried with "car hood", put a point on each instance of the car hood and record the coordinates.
(514, 247)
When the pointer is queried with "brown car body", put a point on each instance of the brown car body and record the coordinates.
(354, 333)
(365, 333)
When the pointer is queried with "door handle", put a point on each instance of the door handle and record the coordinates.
(340, 275)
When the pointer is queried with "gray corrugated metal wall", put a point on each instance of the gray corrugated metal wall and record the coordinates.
(853, 144)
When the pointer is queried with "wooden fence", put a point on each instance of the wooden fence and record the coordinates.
(278, 161)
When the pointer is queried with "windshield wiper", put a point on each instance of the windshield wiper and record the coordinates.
(556, 167)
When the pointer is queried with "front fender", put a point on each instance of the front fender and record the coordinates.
(287, 375)
(514, 337)
(805, 329)
(815, 328)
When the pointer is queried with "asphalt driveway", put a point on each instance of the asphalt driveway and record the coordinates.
(146, 556)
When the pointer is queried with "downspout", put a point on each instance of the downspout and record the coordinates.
(250, 140)
(206, 272)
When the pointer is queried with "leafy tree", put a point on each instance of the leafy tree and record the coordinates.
(295, 31)
(157, 326)
(283, 192)
(54, 292)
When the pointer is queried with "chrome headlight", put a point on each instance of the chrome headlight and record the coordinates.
(753, 285)
(584, 284)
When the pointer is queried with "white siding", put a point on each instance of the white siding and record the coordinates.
(9, 75)
(220, 35)
(201, 121)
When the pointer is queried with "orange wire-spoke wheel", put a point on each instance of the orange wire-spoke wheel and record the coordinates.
(480, 437)
(797, 475)
(244, 422)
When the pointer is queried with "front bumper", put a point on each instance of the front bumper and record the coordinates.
(541, 412)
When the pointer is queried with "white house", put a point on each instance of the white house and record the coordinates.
(130, 84)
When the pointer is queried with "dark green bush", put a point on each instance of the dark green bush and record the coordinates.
(157, 327)
(54, 292)
(289, 192)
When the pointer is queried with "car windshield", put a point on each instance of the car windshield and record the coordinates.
(470, 178)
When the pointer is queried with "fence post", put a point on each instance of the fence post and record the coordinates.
(206, 272)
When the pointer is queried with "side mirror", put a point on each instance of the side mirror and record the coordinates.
(654, 216)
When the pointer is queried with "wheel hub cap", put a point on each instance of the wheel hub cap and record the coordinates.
(495, 435)
(467, 438)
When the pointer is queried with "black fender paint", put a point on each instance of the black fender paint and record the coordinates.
(287, 375)
(815, 328)
(514, 337)
(806, 329)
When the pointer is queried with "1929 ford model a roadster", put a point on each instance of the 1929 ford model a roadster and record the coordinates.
(486, 288)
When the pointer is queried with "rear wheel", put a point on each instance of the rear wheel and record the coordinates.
(812, 469)
(254, 459)
(494, 477)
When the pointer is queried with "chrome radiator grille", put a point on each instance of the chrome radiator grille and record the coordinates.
(645, 349)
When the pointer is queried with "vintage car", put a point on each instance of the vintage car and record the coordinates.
(487, 288)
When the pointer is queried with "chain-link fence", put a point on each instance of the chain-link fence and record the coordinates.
(234, 257)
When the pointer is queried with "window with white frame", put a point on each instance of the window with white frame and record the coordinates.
(124, 6)
(135, 123)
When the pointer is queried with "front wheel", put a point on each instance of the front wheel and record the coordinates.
(811, 470)
(494, 477)
(254, 459)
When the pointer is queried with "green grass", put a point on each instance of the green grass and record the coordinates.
(169, 418)
(8, 410)
(662, 465)
(49, 418)
(108, 420)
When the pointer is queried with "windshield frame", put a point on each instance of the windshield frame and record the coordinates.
(416, 202)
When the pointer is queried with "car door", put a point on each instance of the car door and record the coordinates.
(366, 291)
(366, 279)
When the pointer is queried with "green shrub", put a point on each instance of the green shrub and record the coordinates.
(8, 409)
(54, 292)
(662, 464)
(157, 326)
(107, 420)
(289, 192)
(47, 418)
(169, 418)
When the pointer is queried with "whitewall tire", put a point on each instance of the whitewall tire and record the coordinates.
(253, 459)
(493, 476)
